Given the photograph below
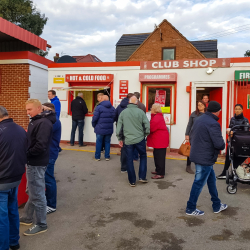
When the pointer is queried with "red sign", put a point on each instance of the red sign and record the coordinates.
(89, 77)
(185, 64)
(160, 77)
(160, 97)
(123, 89)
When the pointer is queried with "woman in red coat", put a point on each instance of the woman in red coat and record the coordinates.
(159, 140)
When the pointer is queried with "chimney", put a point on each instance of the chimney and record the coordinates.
(56, 57)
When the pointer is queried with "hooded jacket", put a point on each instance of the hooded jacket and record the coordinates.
(57, 105)
(13, 147)
(103, 118)
(39, 138)
(56, 137)
(206, 140)
(124, 103)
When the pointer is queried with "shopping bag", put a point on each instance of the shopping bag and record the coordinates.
(184, 148)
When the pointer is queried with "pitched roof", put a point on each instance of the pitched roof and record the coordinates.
(164, 20)
(11, 31)
(205, 45)
(87, 58)
(132, 39)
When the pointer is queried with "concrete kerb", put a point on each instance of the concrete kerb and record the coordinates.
(149, 156)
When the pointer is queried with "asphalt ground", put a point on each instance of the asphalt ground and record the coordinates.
(97, 209)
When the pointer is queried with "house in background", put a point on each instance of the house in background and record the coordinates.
(164, 43)
(23, 73)
(79, 59)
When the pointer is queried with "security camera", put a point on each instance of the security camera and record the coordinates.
(209, 71)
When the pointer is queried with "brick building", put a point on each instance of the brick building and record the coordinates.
(23, 73)
(164, 43)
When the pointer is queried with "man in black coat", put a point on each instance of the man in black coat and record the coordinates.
(13, 146)
(206, 141)
(79, 110)
(39, 138)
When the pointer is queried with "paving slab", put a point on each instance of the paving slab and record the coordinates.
(97, 209)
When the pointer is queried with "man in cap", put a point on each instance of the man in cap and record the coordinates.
(206, 141)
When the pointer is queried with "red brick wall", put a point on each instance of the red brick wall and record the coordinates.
(151, 50)
(14, 91)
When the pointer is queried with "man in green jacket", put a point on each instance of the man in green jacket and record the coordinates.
(132, 128)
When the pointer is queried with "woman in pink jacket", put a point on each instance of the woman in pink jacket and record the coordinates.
(159, 140)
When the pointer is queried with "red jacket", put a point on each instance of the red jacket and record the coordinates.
(159, 136)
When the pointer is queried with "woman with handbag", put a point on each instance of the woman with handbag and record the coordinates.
(159, 140)
(237, 119)
(200, 110)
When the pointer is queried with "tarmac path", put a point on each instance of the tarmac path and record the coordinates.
(97, 209)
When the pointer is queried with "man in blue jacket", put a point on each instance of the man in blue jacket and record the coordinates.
(50, 182)
(102, 121)
(206, 141)
(55, 100)
(13, 146)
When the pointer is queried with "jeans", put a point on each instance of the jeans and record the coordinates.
(123, 159)
(80, 124)
(36, 191)
(9, 219)
(50, 183)
(203, 175)
(99, 142)
(136, 156)
(141, 147)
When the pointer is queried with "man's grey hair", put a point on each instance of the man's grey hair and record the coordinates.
(133, 100)
(3, 112)
(137, 94)
(80, 94)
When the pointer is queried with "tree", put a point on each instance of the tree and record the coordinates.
(247, 54)
(24, 14)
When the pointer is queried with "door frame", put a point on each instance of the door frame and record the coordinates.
(207, 84)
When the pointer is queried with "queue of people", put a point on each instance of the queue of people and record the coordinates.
(38, 150)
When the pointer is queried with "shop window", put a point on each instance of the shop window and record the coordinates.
(152, 93)
(89, 96)
(168, 53)
(151, 90)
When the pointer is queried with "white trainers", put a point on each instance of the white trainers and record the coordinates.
(222, 207)
(50, 210)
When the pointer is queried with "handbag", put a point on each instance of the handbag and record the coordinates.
(184, 148)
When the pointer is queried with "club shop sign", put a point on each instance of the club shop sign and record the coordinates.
(187, 64)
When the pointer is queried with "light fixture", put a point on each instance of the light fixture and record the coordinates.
(200, 88)
(209, 71)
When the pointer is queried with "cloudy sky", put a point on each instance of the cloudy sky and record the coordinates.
(80, 27)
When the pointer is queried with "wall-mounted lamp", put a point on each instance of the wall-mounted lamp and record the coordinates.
(209, 71)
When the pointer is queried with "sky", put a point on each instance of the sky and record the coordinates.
(81, 27)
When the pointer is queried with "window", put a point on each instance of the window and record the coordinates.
(151, 96)
(149, 91)
(168, 53)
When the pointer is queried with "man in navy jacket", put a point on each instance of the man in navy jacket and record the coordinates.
(50, 182)
(13, 146)
(102, 121)
(206, 141)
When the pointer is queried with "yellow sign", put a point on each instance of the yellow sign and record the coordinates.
(58, 80)
(165, 110)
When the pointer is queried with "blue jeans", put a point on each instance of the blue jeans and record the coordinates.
(9, 219)
(136, 156)
(37, 199)
(141, 148)
(80, 124)
(50, 183)
(99, 142)
(203, 175)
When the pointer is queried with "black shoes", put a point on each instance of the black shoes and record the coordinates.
(15, 247)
